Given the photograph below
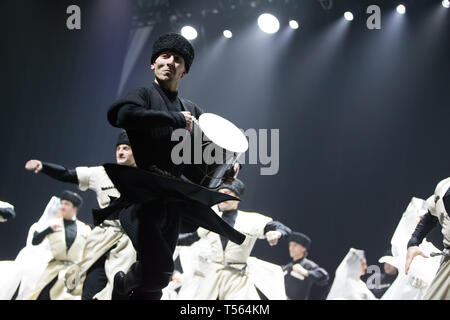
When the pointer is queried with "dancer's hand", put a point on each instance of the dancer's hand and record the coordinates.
(33, 165)
(231, 174)
(411, 254)
(273, 237)
(189, 122)
(56, 227)
(177, 277)
(300, 270)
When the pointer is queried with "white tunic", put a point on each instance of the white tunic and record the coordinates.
(31, 261)
(422, 270)
(214, 272)
(439, 288)
(437, 209)
(102, 238)
(96, 179)
(62, 259)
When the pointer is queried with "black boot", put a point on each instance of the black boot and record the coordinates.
(125, 284)
(141, 294)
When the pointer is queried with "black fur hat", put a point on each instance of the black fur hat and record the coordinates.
(123, 138)
(301, 239)
(174, 42)
(73, 197)
(237, 187)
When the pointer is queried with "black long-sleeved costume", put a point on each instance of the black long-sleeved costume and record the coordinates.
(38, 237)
(149, 129)
(70, 228)
(297, 289)
(426, 224)
(59, 172)
(153, 206)
(7, 213)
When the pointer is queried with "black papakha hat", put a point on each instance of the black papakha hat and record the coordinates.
(123, 138)
(301, 239)
(174, 42)
(73, 197)
(237, 187)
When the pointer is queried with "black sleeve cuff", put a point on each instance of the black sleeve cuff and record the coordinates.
(425, 225)
(59, 172)
(7, 213)
(320, 276)
(38, 237)
(179, 120)
(277, 226)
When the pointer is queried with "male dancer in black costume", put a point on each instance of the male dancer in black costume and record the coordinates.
(155, 201)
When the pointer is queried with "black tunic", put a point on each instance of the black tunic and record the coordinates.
(297, 289)
(152, 203)
(150, 115)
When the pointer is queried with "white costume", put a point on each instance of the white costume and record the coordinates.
(31, 261)
(347, 284)
(63, 257)
(422, 270)
(230, 274)
(108, 236)
(440, 286)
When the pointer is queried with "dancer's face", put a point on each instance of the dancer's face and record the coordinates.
(67, 210)
(169, 68)
(296, 250)
(389, 269)
(363, 266)
(228, 205)
(124, 155)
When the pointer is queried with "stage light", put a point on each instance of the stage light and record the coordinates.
(268, 23)
(227, 34)
(189, 32)
(348, 16)
(293, 24)
(401, 9)
(446, 3)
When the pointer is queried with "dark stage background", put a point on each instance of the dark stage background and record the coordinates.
(363, 114)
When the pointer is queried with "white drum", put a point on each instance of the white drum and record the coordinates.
(222, 143)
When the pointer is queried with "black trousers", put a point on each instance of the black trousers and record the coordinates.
(45, 293)
(153, 229)
(96, 279)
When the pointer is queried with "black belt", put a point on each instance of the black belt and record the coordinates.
(445, 253)
(155, 169)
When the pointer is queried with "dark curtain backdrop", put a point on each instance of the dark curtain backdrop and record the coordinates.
(56, 86)
(363, 115)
